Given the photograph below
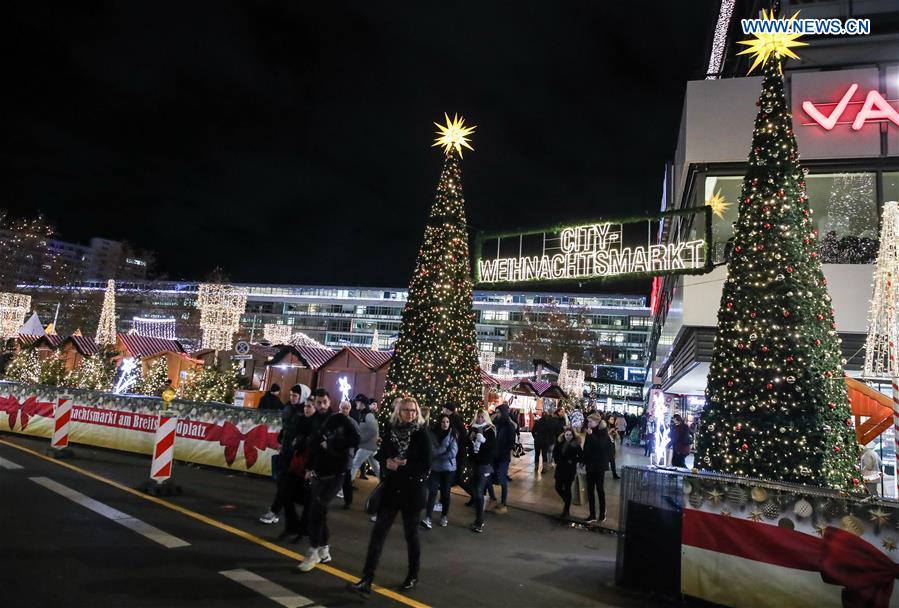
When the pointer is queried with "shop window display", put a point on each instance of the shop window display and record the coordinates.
(845, 213)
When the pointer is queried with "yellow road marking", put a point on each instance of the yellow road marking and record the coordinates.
(217, 524)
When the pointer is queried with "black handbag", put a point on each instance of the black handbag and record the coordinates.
(373, 502)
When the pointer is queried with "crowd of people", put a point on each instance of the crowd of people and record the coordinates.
(417, 458)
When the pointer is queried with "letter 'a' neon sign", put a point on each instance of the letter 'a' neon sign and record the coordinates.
(873, 109)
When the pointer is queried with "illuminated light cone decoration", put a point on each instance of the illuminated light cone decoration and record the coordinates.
(106, 332)
(277, 333)
(220, 309)
(776, 399)
(881, 356)
(375, 338)
(436, 357)
(13, 308)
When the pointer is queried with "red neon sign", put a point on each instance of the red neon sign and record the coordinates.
(873, 109)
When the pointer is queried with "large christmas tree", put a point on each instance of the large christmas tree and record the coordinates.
(776, 399)
(435, 357)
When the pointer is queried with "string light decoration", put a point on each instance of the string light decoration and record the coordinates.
(301, 339)
(486, 359)
(152, 327)
(719, 42)
(106, 331)
(277, 333)
(24, 367)
(375, 339)
(882, 342)
(210, 384)
(436, 357)
(776, 401)
(220, 309)
(154, 379)
(13, 308)
(571, 380)
(95, 373)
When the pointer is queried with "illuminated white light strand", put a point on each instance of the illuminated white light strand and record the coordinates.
(277, 333)
(106, 328)
(13, 308)
(154, 328)
(220, 309)
(719, 42)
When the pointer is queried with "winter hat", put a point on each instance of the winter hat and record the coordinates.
(361, 398)
(275, 387)
(302, 390)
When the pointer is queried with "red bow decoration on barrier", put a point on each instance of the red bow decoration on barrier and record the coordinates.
(864, 572)
(24, 411)
(33, 407)
(257, 438)
(10, 405)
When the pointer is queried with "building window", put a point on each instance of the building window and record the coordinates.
(844, 207)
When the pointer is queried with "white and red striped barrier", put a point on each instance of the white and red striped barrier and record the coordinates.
(163, 448)
(62, 418)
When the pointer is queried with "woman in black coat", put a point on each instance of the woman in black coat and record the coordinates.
(406, 455)
(567, 454)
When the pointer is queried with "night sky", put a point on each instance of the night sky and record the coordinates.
(289, 142)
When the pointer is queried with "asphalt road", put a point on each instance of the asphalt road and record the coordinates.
(85, 538)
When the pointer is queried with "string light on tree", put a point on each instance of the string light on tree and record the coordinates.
(13, 308)
(220, 309)
(152, 381)
(152, 327)
(277, 333)
(776, 399)
(436, 356)
(106, 330)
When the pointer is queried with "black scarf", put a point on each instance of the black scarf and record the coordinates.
(401, 436)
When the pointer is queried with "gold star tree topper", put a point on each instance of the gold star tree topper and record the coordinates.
(453, 135)
(718, 204)
(766, 44)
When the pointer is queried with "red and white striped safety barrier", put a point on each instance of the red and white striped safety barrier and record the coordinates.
(62, 417)
(163, 448)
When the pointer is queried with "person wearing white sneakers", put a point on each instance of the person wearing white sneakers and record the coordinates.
(291, 413)
(443, 470)
(329, 460)
(406, 452)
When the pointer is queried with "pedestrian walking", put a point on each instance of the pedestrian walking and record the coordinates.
(329, 460)
(368, 444)
(612, 427)
(462, 439)
(360, 406)
(406, 455)
(482, 452)
(543, 442)
(598, 450)
(443, 470)
(293, 410)
(505, 442)
(346, 492)
(296, 485)
(870, 466)
(567, 453)
(270, 400)
(681, 440)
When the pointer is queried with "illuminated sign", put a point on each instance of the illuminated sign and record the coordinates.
(598, 250)
(856, 113)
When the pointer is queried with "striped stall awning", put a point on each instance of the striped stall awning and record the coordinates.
(372, 359)
(144, 346)
(85, 345)
(315, 357)
(488, 380)
(28, 339)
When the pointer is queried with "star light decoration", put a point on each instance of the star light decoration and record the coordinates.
(766, 44)
(453, 135)
(718, 204)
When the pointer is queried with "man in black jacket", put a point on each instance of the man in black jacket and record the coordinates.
(505, 441)
(270, 400)
(543, 441)
(597, 455)
(292, 412)
(328, 463)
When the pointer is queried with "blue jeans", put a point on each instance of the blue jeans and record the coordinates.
(501, 469)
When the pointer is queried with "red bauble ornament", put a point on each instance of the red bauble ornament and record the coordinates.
(832, 405)
(764, 349)
(817, 342)
(855, 481)
(837, 449)
(729, 305)
(786, 313)
(769, 386)
(820, 317)
(767, 226)
(760, 247)
(738, 249)
(730, 383)
(790, 358)
(753, 314)
(814, 254)
(744, 447)
(789, 269)
(738, 426)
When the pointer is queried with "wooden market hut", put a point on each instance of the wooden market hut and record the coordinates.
(365, 371)
(149, 350)
(295, 365)
(254, 367)
(47, 346)
(74, 349)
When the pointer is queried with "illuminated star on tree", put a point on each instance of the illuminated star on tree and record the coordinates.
(889, 544)
(718, 204)
(755, 515)
(879, 516)
(766, 44)
(716, 495)
(453, 135)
